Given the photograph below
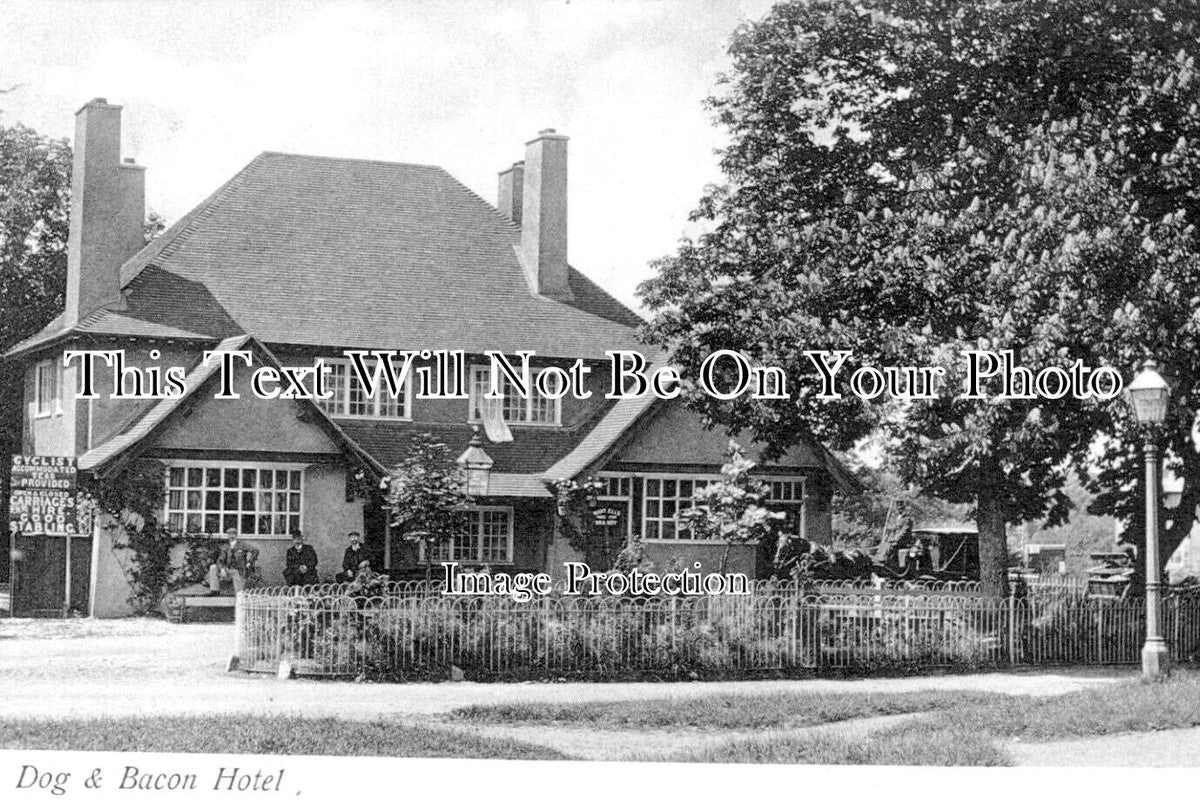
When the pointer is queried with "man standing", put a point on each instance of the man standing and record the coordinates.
(354, 559)
(235, 562)
(300, 562)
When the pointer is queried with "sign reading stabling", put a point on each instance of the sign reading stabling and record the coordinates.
(42, 502)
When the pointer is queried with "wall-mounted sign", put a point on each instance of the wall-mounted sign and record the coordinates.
(42, 502)
(606, 517)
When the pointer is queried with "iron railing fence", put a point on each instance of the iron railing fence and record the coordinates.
(436, 588)
(402, 636)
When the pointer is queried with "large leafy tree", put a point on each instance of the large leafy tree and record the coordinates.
(35, 183)
(908, 180)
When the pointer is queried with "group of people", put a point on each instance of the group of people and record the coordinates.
(237, 562)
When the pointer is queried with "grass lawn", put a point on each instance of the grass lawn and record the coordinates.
(717, 712)
(902, 747)
(959, 728)
(973, 733)
(962, 728)
(288, 735)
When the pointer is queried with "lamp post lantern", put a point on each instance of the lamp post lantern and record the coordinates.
(1148, 396)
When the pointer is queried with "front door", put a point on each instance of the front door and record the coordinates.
(39, 576)
(610, 527)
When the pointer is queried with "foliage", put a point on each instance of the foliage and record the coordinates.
(133, 499)
(425, 493)
(907, 181)
(35, 184)
(633, 557)
(859, 519)
(732, 509)
(575, 502)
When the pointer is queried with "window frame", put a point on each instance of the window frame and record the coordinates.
(274, 466)
(707, 477)
(477, 512)
(376, 401)
(53, 367)
(474, 406)
(801, 503)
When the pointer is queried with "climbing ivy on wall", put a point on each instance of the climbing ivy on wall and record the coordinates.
(132, 500)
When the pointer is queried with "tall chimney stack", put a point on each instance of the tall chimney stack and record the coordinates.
(512, 189)
(544, 214)
(108, 211)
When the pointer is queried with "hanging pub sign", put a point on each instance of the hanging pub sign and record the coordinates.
(42, 499)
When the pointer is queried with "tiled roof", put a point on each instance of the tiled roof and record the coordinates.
(532, 450)
(601, 438)
(315, 251)
(323, 251)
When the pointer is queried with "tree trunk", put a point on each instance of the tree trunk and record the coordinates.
(993, 545)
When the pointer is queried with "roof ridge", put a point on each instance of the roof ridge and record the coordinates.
(353, 160)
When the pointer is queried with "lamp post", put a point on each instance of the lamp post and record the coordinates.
(1148, 396)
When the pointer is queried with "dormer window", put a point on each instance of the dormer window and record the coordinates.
(516, 410)
(349, 395)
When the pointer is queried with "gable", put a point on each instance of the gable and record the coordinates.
(199, 421)
(677, 437)
(248, 423)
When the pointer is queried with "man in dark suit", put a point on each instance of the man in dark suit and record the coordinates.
(354, 559)
(236, 563)
(300, 562)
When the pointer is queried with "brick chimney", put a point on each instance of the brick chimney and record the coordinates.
(108, 211)
(544, 215)
(511, 191)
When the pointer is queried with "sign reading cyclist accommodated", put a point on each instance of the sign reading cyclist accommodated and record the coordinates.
(43, 496)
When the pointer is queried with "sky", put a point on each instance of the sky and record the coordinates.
(206, 86)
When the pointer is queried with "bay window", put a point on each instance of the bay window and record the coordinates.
(252, 499)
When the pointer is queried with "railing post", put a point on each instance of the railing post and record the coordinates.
(1012, 628)
(794, 609)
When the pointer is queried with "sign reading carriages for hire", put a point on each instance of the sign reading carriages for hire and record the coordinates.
(42, 502)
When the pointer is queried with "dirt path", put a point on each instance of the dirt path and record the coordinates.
(64, 668)
(658, 745)
(1176, 748)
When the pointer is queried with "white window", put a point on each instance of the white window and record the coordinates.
(486, 537)
(253, 499)
(349, 395)
(616, 487)
(787, 495)
(46, 382)
(663, 499)
(533, 410)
